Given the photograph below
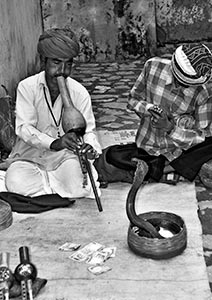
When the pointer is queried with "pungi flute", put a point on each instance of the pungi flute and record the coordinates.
(73, 120)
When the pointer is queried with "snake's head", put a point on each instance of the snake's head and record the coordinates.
(141, 170)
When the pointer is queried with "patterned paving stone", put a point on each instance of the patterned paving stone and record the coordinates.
(205, 216)
(204, 198)
(207, 241)
(110, 83)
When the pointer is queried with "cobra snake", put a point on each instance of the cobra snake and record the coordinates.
(134, 219)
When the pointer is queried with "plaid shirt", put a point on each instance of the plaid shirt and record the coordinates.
(156, 85)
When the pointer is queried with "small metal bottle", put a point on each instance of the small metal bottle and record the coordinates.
(25, 273)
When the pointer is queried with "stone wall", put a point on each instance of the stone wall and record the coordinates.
(107, 30)
(183, 21)
(128, 29)
(21, 24)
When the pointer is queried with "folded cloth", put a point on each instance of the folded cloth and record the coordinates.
(26, 204)
(37, 285)
(108, 173)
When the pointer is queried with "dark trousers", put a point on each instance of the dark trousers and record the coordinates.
(187, 164)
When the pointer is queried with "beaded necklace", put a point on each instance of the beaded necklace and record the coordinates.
(57, 124)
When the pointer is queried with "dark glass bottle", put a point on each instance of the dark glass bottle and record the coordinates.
(25, 273)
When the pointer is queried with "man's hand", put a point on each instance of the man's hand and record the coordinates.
(89, 151)
(160, 119)
(68, 141)
(132, 108)
(72, 142)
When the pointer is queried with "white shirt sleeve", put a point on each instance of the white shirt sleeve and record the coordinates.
(26, 118)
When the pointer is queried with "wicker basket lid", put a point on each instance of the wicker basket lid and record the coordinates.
(6, 217)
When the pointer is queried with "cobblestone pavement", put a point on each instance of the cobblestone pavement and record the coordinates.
(204, 198)
(109, 85)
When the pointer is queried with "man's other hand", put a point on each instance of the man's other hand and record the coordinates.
(68, 141)
(89, 151)
(160, 120)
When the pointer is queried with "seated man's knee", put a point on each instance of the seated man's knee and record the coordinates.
(13, 178)
(22, 178)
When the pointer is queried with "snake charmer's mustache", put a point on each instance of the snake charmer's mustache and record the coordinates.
(60, 74)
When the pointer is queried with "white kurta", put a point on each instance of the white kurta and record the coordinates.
(51, 171)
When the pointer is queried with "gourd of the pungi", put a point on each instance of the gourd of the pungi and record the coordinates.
(72, 118)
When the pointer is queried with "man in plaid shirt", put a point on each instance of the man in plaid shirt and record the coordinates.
(174, 102)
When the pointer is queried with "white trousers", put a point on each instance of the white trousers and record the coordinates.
(28, 179)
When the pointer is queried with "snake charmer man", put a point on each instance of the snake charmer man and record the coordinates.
(173, 98)
(44, 158)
